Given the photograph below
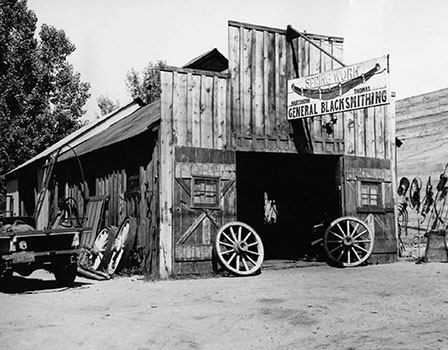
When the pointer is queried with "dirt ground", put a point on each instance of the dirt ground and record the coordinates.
(288, 306)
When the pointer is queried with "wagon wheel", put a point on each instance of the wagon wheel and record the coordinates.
(348, 241)
(123, 244)
(118, 247)
(239, 248)
(102, 247)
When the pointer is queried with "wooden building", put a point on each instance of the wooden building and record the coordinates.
(219, 139)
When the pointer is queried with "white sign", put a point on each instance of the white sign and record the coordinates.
(358, 86)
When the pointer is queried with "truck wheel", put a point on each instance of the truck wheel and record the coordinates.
(65, 274)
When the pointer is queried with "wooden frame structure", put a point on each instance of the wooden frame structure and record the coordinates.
(206, 118)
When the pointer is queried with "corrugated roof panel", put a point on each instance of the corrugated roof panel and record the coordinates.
(128, 127)
(83, 133)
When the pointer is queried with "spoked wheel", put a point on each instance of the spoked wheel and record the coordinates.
(122, 246)
(239, 248)
(118, 248)
(102, 247)
(348, 241)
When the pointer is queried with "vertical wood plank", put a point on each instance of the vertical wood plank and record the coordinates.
(305, 55)
(390, 127)
(195, 110)
(180, 109)
(258, 86)
(215, 112)
(221, 101)
(316, 57)
(266, 71)
(369, 114)
(246, 88)
(166, 177)
(282, 121)
(189, 110)
(360, 133)
(206, 110)
(379, 132)
(338, 53)
(270, 107)
(176, 106)
(389, 123)
(234, 69)
(349, 133)
(275, 126)
(121, 213)
(327, 60)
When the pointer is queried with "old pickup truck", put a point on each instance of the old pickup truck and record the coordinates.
(24, 249)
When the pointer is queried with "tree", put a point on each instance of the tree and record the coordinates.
(41, 96)
(106, 105)
(147, 84)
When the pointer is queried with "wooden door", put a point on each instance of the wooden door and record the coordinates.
(366, 193)
(204, 200)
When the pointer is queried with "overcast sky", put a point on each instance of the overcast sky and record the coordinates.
(113, 36)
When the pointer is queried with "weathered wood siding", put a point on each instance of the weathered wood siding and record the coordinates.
(261, 60)
(197, 107)
(260, 64)
(356, 170)
(106, 172)
(311, 61)
(195, 131)
(195, 228)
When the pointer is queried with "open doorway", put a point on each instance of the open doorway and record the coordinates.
(301, 191)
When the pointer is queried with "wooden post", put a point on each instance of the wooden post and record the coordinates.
(166, 177)
(42, 218)
(390, 113)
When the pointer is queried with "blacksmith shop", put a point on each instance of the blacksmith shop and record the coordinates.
(279, 151)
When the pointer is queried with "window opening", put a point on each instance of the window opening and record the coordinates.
(205, 192)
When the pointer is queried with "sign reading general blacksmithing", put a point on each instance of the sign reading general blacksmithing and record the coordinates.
(357, 86)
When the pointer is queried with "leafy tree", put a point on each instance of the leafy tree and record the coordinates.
(41, 96)
(106, 105)
(145, 85)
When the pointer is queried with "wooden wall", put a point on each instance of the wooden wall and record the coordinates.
(198, 107)
(106, 172)
(260, 64)
(261, 60)
(382, 219)
(194, 129)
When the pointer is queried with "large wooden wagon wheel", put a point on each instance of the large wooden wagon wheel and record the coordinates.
(348, 241)
(102, 247)
(122, 245)
(239, 248)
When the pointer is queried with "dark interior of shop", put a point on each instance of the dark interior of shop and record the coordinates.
(283, 196)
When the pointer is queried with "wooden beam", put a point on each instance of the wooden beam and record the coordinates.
(291, 33)
(166, 176)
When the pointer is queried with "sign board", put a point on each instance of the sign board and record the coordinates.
(357, 86)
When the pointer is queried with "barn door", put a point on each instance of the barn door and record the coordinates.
(366, 193)
(204, 200)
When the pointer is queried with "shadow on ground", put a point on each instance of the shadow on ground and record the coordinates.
(19, 284)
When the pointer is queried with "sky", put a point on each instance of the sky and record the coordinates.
(113, 36)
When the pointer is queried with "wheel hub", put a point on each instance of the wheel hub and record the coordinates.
(241, 246)
(348, 241)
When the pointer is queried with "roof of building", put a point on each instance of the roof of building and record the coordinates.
(212, 61)
(124, 123)
(132, 125)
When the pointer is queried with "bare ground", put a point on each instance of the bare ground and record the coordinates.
(300, 306)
